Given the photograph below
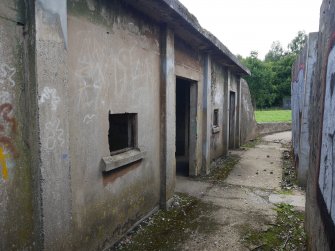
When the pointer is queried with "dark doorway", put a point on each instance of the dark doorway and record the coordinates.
(232, 119)
(186, 126)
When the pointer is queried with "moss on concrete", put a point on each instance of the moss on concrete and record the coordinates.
(286, 234)
(251, 143)
(168, 230)
(221, 168)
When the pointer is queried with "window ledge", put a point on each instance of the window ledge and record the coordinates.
(216, 129)
(113, 162)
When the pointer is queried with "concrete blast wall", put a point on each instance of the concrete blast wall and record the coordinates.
(17, 128)
(248, 121)
(302, 78)
(317, 132)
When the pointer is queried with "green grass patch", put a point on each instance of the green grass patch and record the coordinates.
(273, 116)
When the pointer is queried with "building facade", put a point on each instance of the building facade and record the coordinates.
(102, 104)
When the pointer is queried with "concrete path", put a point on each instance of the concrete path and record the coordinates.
(245, 198)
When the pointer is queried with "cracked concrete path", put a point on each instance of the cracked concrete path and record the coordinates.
(246, 198)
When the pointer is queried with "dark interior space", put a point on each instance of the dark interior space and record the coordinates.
(232, 120)
(182, 126)
(121, 131)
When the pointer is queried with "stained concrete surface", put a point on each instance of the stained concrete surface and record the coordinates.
(246, 198)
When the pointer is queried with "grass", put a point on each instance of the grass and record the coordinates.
(286, 234)
(273, 116)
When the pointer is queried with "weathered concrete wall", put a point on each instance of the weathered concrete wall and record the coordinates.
(320, 203)
(16, 208)
(228, 133)
(304, 147)
(302, 74)
(53, 119)
(234, 126)
(64, 67)
(219, 78)
(297, 98)
(248, 121)
(268, 128)
(115, 69)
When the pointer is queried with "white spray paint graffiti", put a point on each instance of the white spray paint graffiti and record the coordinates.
(54, 134)
(99, 73)
(5, 97)
(88, 118)
(6, 74)
(50, 94)
(327, 160)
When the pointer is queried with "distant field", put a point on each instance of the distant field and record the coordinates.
(273, 116)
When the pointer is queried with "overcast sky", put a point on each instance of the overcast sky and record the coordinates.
(246, 25)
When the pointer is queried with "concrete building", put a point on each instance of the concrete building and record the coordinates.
(102, 103)
(316, 133)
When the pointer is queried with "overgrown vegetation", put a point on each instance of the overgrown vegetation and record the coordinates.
(221, 168)
(167, 230)
(270, 79)
(289, 177)
(273, 116)
(286, 234)
(251, 143)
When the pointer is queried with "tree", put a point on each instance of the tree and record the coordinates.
(297, 43)
(270, 79)
(260, 81)
(276, 52)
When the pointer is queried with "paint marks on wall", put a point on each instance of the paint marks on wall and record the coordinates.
(88, 118)
(8, 127)
(3, 163)
(8, 124)
(327, 159)
(50, 95)
(6, 75)
(54, 134)
(107, 68)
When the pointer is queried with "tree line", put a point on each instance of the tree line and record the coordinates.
(270, 79)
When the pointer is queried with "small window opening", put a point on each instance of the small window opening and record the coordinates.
(216, 118)
(122, 132)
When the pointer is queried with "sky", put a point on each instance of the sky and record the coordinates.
(252, 25)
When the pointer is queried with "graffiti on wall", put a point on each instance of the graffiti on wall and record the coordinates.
(6, 74)
(327, 159)
(50, 94)
(54, 134)
(8, 124)
(99, 74)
